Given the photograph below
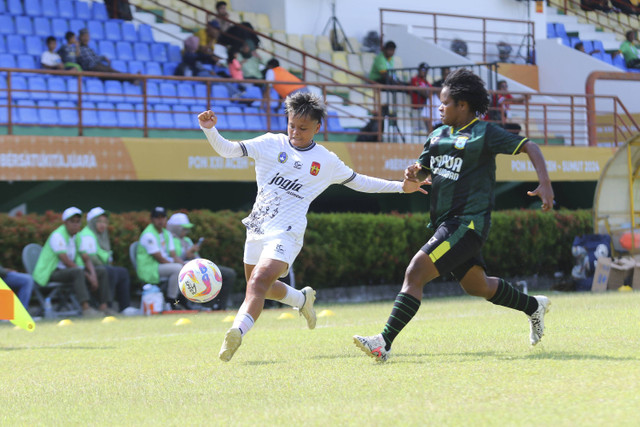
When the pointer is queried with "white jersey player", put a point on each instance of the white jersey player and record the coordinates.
(291, 171)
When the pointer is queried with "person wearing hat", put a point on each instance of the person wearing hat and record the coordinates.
(179, 225)
(419, 97)
(59, 262)
(93, 241)
(156, 255)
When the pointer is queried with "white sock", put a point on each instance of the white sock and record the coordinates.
(294, 297)
(244, 322)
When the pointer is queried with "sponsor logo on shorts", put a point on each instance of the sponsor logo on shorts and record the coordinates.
(280, 249)
(282, 157)
(315, 168)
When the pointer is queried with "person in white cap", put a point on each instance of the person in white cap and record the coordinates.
(179, 225)
(59, 262)
(93, 241)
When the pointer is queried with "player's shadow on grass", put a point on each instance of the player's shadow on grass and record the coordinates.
(541, 354)
(58, 347)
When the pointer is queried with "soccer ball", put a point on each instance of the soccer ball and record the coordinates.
(200, 280)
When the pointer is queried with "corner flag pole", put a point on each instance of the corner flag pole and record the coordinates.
(12, 309)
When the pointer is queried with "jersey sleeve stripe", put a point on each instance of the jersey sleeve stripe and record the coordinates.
(348, 180)
(244, 149)
(423, 166)
(519, 145)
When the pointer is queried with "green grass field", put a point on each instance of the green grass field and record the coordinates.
(461, 361)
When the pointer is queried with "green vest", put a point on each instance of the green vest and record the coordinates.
(48, 259)
(147, 266)
(178, 245)
(100, 256)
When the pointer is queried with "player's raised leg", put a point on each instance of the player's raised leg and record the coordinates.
(303, 300)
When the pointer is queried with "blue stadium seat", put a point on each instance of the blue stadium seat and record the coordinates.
(59, 27)
(65, 9)
(253, 93)
(235, 118)
(142, 51)
(182, 117)
(4, 113)
(174, 53)
(34, 45)
(25, 112)
(114, 91)
(6, 25)
(223, 118)
(279, 121)
(7, 60)
(57, 84)
(15, 7)
(50, 8)
(72, 88)
(151, 120)
(219, 93)
(125, 52)
(32, 7)
(333, 122)
(145, 34)
(186, 94)
(112, 30)
(23, 25)
(168, 92)
(68, 117)
(132, 92)
(551, 30)
(606, 57)
(41, 26)
(152, 68)
(82, 10)
(200, 90)
(2, 7)
(15, 44)
(169, 68)
(253, 119)
(27, 62)
(96, 29)
(3, 47)
(76, 25)
(164, 117)
(588, 46)
(99, 11)
(89, 114)
(125, 118)
(618, 61)
(119, 65)
(95, 90)
(136, 67)
(560, 30)
(153, 92)
(106, 48)
(129, 33)
(38, 88)
(159, 52)
(107, 114)
(573, 41)
(48, 113)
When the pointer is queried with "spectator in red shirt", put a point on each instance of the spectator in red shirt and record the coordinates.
(419, 98)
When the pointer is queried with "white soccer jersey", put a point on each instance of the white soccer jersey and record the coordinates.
(289, 179)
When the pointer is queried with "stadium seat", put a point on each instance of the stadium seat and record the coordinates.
(573, 41)
(551, 30)
(95, 90)
(136, 67)
(254, 119)
(119, 65)
(4, 115)
(75, 25)
(129, 32)
(597, 45)
(113, 90)
(57, 84)
(27, 62)
(15, 7)
(47, 113)
(3, 47)
(65, 9)
(15, 44)
(588, 46)
(164, 117)
(33, 45)
(151, 120)
(99, 11)
(159, 52)
(6, 25)
(235, 118)
(38, 88)
(152, 68)
(7, 60)
(41, 26)
(72, 88)
(186, 93)
(168, 92)
(223, 118)
(112, 30)
(253, 93)
(59, 27)
(132, 92)
(169, 68)
(182, 117)
(220, 95)
(82, 10)
(25, 112)
(174, 54)
(153, 92)
(125, 51)
(145, 34)
(96, 29)
(126, 118)
(618, 61)
(107, 114)
(142, 51)
(68, 117)
(23, 25)
(200, 91)
(50, 8)
(2, 7)
(106, 48)
(32, 7)
(333, 122)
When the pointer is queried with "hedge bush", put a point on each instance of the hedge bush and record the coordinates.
(340, 249)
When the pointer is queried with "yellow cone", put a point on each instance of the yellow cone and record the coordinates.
(65, 322)
(109, 319)
(625, 288)
(326, 313)
(182, 321)
(230, 318)
(284, 316)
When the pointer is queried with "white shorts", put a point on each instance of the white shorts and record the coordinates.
(271, 247)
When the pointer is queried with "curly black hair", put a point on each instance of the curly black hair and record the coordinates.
(305, 104)
(464, 85)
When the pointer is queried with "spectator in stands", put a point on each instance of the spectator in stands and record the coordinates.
(235, 68)
(93, 241)
(50, 59)
(179, 225)
(591, 5)
(208, 38)
(223, 15)
(88, 59)
(237, 35)
(20, 283)
(118, 9)
(504, 52)
(419, 97)
(156, 256)
(580, 47)
(499, 109)
(59, 262)
(251, 62)
(630, 7)
(629, 49)
(191, 64)
(275, 73)
(444, 72)
(382, 63)
(70, 52)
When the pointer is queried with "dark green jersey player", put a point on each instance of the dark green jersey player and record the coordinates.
(459, 162)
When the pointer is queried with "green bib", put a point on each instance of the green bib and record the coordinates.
(147, 266)
(48, 259)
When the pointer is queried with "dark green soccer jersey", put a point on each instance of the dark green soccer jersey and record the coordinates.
(463, 171)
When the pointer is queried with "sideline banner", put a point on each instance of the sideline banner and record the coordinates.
(42, 158)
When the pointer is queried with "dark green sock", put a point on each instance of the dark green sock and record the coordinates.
(404, 308)
(508, 296)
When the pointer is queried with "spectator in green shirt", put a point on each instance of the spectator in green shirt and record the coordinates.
(382, 64)
(629, 49)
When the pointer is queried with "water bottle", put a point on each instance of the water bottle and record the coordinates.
(48, 309)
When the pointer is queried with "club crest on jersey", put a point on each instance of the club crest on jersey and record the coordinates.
(315, 168)
(282, 157)
(460, 142)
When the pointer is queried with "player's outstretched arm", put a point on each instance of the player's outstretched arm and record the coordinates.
(224, 147)
(414, 178)
(544, 189)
